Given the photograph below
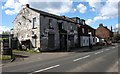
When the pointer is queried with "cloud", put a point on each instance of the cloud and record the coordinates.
(82, 8)
(53, 7)
(4, 28)
(89, 22)
(9, 4)
(116, 25)
(74, 10)
(60, 7)
(12, 7)
(95, 5)
(105, 10)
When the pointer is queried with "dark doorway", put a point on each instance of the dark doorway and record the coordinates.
(26, 43)
(63, 41)
(51, 41)
(71, 38)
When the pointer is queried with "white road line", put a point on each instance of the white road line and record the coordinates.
(82, 58)
(107, 49)
(113, 47)
(46, 68)
(1, 65)
(98, 52)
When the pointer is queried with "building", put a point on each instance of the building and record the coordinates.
(103, 33)
(37, 29)
(86, 34)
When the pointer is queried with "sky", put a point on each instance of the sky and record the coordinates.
(93, 11)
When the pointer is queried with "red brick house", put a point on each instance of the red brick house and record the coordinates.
(103, 33)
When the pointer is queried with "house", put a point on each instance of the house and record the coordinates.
(86, 34)
(37, 29)
(103, 33)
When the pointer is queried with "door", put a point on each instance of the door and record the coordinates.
(51, 40)
(63, 42)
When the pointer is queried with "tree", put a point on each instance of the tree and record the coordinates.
(116, 37)
(6, 32)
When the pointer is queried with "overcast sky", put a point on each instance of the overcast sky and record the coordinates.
(93, 11)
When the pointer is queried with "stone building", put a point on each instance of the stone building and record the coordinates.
(38, 29)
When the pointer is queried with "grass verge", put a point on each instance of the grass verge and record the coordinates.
(5, 57)
(31, 51)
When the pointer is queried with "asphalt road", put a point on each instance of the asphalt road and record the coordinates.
(103, 60)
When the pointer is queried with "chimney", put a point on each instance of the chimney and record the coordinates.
(101, 24)
(25, 6)
(111, 28)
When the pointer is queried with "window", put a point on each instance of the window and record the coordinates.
(82, 30)
(50, 23)
(60, 25)
(19, 23)
(83, 23)
(78, 21)
(71, 27)
(88, 30)
(34, 22)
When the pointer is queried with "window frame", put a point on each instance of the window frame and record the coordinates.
(34, 23)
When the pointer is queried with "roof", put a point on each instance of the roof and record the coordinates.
(52, 15)
(107, 29)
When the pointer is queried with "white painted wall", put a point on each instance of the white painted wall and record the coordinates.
(85, 40)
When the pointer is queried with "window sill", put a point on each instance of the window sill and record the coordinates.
(34, 28)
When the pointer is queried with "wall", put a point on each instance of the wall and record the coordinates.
(23, 25)
(45, 29)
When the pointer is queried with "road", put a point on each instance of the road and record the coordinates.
(103, 60)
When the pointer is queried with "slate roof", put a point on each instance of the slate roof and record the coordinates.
(53, 15)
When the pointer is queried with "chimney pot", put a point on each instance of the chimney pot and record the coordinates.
(26, 6)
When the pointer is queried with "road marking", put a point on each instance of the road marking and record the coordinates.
(1, 65)
(82, 58)
(113, 47)
(46, 69)
(107, 49)
(98, 52)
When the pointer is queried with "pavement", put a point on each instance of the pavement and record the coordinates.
(77, 60)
